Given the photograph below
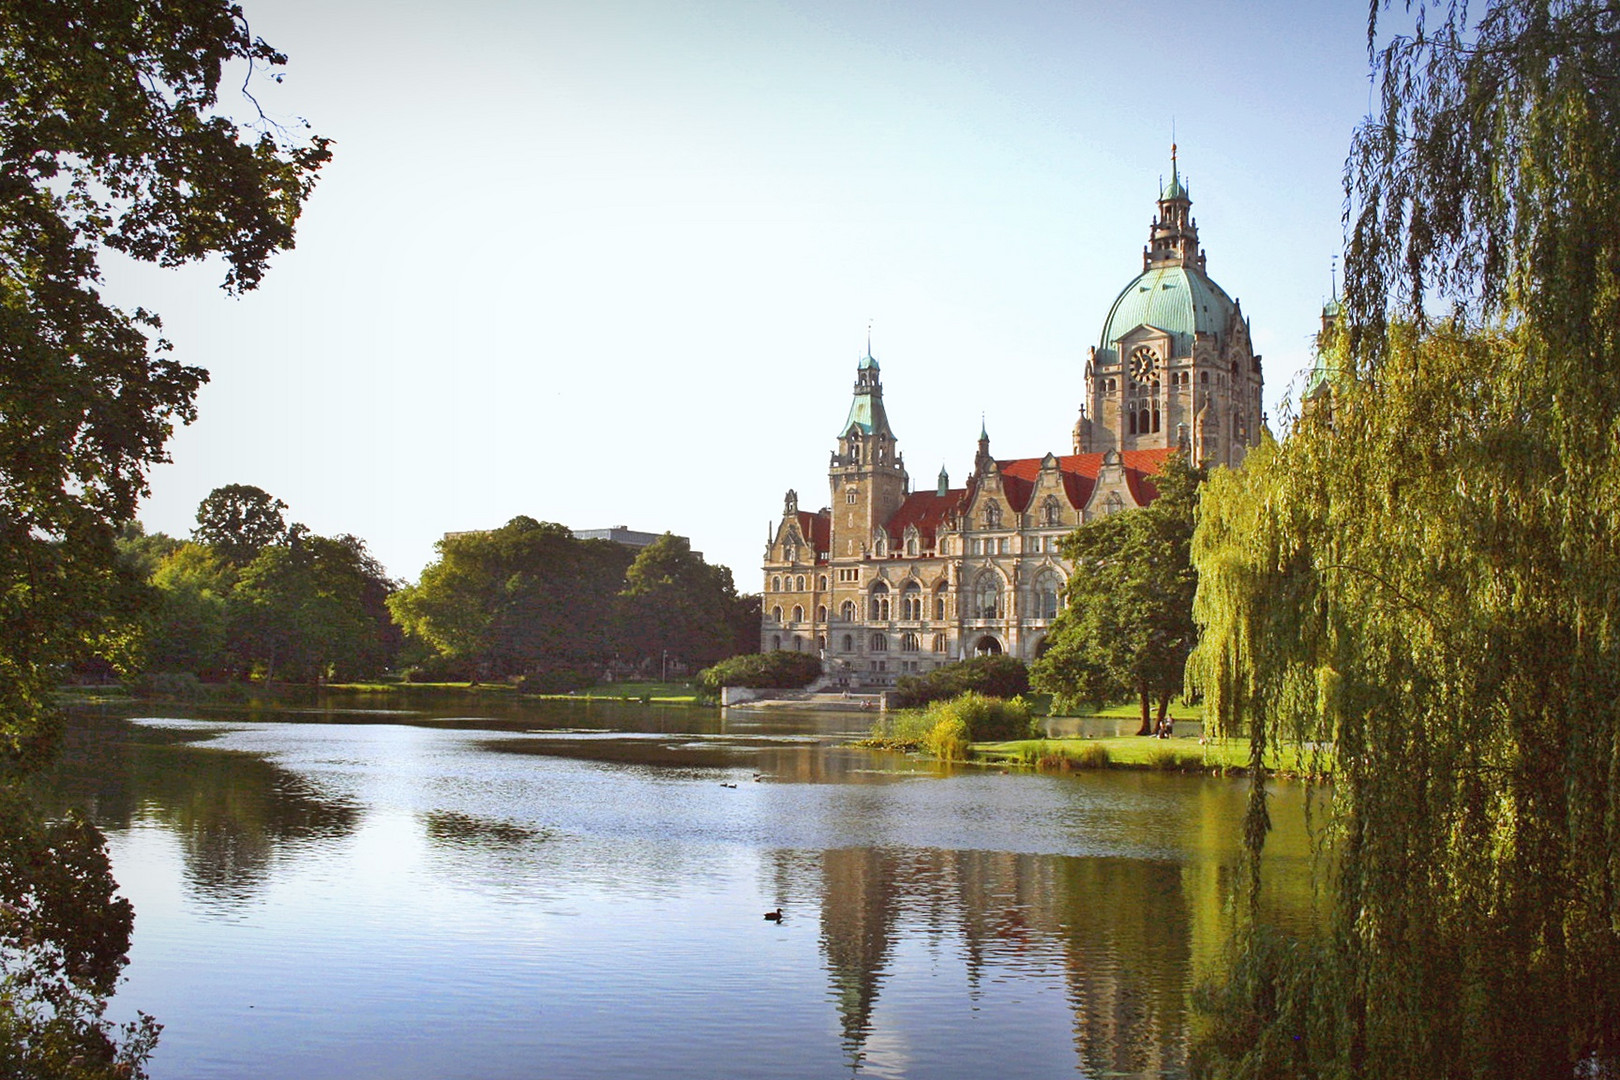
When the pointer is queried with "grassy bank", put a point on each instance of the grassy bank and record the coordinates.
(1220, 756)
(647, 692)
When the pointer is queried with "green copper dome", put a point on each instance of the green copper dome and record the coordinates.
(1176, 299)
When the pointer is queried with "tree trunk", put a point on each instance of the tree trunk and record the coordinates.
(1164, 707)
(1147, 712)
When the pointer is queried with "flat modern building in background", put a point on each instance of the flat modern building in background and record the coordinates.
(888, 581)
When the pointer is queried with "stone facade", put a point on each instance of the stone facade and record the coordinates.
(886, 581)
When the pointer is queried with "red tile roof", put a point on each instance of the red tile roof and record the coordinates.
(1079, 472)
(928, 509)
(817, 529)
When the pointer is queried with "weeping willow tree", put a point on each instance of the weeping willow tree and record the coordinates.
(1424, 578)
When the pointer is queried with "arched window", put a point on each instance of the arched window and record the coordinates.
(1051, 511)
(879, 643)
(821, 642)
(987, 598)
(776, 613)
(776, 584)
(1133, 421)
(776, 642)
(909, 642)
(847, 612)
(1155, 418)
(849, 496)
(880, 602)
(798, 583)
(992, 515)
(821, 582)
(1048, 593)
(939, 604)
(849, 642)
(911, 545)
(939, 643)
(798, 613)
(911, 605)
(1203, 378)
(821, 613)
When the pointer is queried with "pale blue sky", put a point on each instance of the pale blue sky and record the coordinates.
(613, 262)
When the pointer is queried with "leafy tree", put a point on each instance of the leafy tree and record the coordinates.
(186, 631)
(675, 604)
(521, 599)
(64, 939)
(1427, 574)
(991, 676)
(1127, 627)
(308, 610)
(771, 670)
(110, 139)
(239, 520)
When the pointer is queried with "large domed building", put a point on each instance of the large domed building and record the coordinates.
(886, 581)
(1175, 363)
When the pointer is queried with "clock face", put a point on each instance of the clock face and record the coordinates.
(1143, 363)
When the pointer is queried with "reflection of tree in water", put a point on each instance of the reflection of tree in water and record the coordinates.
(229, 810)
(1118, 931)
(858, 912)
(1128, 949)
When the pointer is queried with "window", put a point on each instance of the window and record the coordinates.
(821, 613)
(1051, 511)
(796, 645)
(1004, 544)
(776, 584)
(1048, 588)
(821, 583)
(939, 605)
(909, 642)
(798, 613)
(987, 598)
(849, 496)
(911, 545)
(992, 515)
(911, 602)
(847, 612)
(798, 584)
(776, 613)
(1113, 504)
(776, 642)
(849, 642)
(944, 546)
(978, 547)
(939, 643)
(880, 602)
(821, 642)
(851, 574)
(879, 643)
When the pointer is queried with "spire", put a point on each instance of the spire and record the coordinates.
(866, 410)
(1173, 240)
(981, 460)
(944, 487)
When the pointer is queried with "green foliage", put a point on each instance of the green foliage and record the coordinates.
(1428, 574)
(995, 676)
(675, 605)
(1126, 628)
(771, 670)
(64, 938)
(238, 521)
(949, 739)
(111, 141)
(187, 629)
(556, 681)
(519, 599)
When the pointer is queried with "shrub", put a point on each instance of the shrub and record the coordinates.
(771, 670)
(949, 739)
(169, 685)
(988, 719)
(993, 676)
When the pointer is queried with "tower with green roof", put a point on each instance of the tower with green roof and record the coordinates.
(1175, 363)
(867, 473)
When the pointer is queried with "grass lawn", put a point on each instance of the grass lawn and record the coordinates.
(664, 693)
(1137, 752)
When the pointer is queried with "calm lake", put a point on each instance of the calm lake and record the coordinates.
(573, 890)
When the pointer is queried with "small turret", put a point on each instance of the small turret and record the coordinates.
(944, 482)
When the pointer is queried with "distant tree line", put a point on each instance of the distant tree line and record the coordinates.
(251, 596)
